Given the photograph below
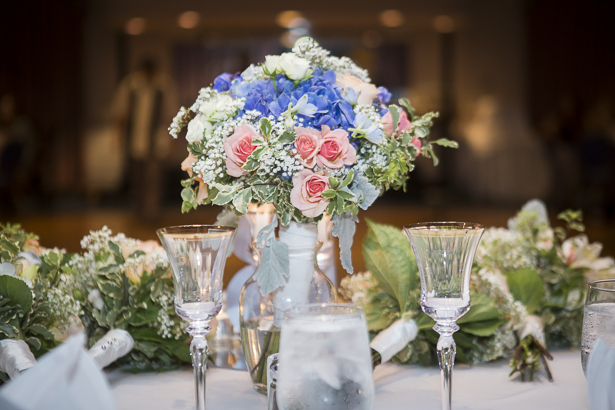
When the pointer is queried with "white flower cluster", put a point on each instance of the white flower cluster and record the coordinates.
(355, 287)
(64, 308)
(165, 326)
(177, 123)
(370, 111)
(504, 250)
(254, 72)
(371, 156)
(309, 49)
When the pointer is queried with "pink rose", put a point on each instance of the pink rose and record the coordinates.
(306, 194)
(417, 144)
(307, 145)
(238, 148)
(366, 92)
(389, 127)
(335, 149)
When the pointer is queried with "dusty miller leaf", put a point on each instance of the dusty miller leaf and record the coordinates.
(344, 227)
(274, 265)
(364, 190)
(273, 268)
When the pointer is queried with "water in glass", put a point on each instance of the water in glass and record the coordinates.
(325, 359)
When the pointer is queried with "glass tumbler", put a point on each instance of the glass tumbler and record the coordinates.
(325, 361)
(598, 317)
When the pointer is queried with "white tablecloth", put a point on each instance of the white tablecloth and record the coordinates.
(397, 387)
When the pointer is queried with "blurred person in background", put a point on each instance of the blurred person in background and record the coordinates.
(17, 146)
(141, 111)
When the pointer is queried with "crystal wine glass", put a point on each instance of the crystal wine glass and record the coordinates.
(197, 254)
(444, 254)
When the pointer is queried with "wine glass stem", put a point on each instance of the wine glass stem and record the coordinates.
(199, 351)
(446, 358)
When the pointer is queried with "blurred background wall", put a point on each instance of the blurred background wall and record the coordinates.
(525, 86)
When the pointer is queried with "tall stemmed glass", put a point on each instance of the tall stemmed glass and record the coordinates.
(444, 254)
(197, 254)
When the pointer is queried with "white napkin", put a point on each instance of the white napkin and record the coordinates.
(600, 374)
(66, 378)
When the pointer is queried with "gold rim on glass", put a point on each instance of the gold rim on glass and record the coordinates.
(190, 230)
(595, 285)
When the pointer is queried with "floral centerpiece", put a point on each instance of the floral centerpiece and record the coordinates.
(126, 284)
(37, 307)
(528, 289)
(306, 132)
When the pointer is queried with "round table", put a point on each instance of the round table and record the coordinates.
(482, 387)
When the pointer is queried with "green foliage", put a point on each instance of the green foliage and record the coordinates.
(527, 287)
(133, 301)
(395, 293)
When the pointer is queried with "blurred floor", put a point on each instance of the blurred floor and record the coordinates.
(65, 230)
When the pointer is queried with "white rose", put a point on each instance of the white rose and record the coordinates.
(196, 128)
(367, 92)
(95, 298)
(272, 65)
(296, 68)
(219, 113)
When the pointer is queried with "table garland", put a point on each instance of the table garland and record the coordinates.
(126, 284)
(36, 303)
(527, 291)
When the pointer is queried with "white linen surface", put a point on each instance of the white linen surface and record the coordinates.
(484, 387)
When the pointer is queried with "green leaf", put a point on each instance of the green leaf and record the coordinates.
(427, 150)
(527, 287)
(187, 183)
(395, 117)
(223, 198)
(329, 193)
(388, 256)
(333, 182)
(144, 316)
(265, 127)
(443, 142)
(348, 179)
(117, 252)
(287, 138)
(346, 194)
(406, 104)
(484, 317)
(34, 342)
(187, 206)
(111, 289)
(10, 331)
(41, 331)
(188, 195)
(17, 291)
(242, 200)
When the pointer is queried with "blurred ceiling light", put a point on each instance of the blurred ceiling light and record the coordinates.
(188, 19)
(287, 18)
(392, 18)
(288, 39)
(444, 24)
(135, 26)
(372, 39)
